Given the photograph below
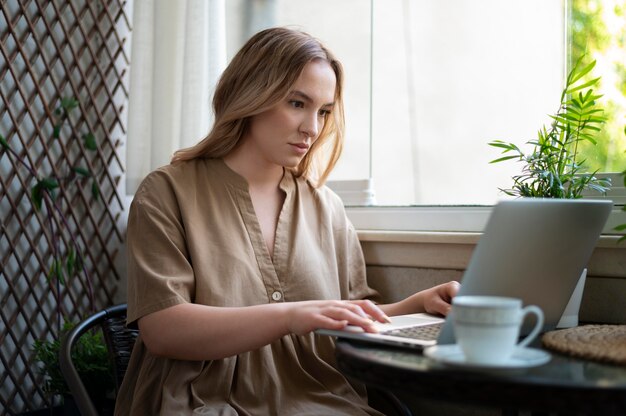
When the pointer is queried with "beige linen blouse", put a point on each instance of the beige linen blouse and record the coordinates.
(193, 236)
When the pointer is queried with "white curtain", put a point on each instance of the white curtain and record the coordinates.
(178, 52)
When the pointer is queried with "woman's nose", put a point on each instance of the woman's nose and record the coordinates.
(310, 126)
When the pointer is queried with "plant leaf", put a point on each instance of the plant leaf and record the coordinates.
(593, 111)
(90, 141)
(56, 131)
(598, 120)
(578, 75)
(37, 196)
(51, 271)
(503, 145)
(95, 190)
(4, 142)
(568, 116)
(504, 158)
(581, 86)
(82, 171)
(59, 272)
(69, 103)
(70, 261)
(48, 183)
(56, 272)
(560, 119)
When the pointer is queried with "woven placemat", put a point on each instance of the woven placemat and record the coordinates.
(594, 342)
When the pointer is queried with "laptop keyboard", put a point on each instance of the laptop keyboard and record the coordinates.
(426, 332)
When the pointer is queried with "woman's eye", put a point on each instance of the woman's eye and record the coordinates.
(296, 104)
(324, 113)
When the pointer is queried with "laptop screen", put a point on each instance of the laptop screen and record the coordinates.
(534, 249)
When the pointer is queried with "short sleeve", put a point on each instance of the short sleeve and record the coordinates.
(159, 272)
(350, 260)
(359, 288)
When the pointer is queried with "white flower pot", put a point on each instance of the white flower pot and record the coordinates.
(569, 318)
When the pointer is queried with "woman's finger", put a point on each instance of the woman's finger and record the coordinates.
(373, 310)
(346, 312)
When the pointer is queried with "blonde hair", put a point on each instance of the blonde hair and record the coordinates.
(260, 76)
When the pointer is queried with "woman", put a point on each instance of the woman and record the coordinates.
(237, 252)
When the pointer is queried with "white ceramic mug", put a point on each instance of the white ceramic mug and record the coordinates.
(487, 327)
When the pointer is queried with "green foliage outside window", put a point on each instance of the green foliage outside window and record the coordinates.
(597, 32)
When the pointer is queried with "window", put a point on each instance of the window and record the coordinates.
(430, 83)
(450, 77)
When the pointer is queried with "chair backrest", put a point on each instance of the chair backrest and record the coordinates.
(119, 340)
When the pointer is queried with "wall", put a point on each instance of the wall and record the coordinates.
(400, 263)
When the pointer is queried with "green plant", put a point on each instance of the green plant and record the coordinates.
(48, 193)
(551, 169)
(67, 258)
(90, 357)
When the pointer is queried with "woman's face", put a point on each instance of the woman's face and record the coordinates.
(284, 134)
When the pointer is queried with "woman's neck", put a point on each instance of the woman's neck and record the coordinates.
(256, 172)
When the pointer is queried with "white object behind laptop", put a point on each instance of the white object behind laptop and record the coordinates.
(532, 249)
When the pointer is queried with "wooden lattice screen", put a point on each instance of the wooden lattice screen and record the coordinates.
(52, 53)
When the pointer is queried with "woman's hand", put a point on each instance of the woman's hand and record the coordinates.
(437, 300)
(304, 317)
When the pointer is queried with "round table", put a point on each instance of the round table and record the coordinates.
(564, 384)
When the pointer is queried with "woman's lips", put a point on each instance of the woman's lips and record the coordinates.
(300, 148)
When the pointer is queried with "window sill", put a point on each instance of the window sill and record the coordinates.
(454, 219)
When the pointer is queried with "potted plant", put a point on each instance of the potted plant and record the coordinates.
(92, 361)
(553, 169)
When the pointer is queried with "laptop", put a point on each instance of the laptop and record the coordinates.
(533, 249)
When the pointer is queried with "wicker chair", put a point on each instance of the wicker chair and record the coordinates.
(119, 340)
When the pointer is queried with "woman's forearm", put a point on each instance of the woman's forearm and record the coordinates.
(435, 300)
(199, 332)
(411, 304)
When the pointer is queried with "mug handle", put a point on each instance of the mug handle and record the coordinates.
(538, 325)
